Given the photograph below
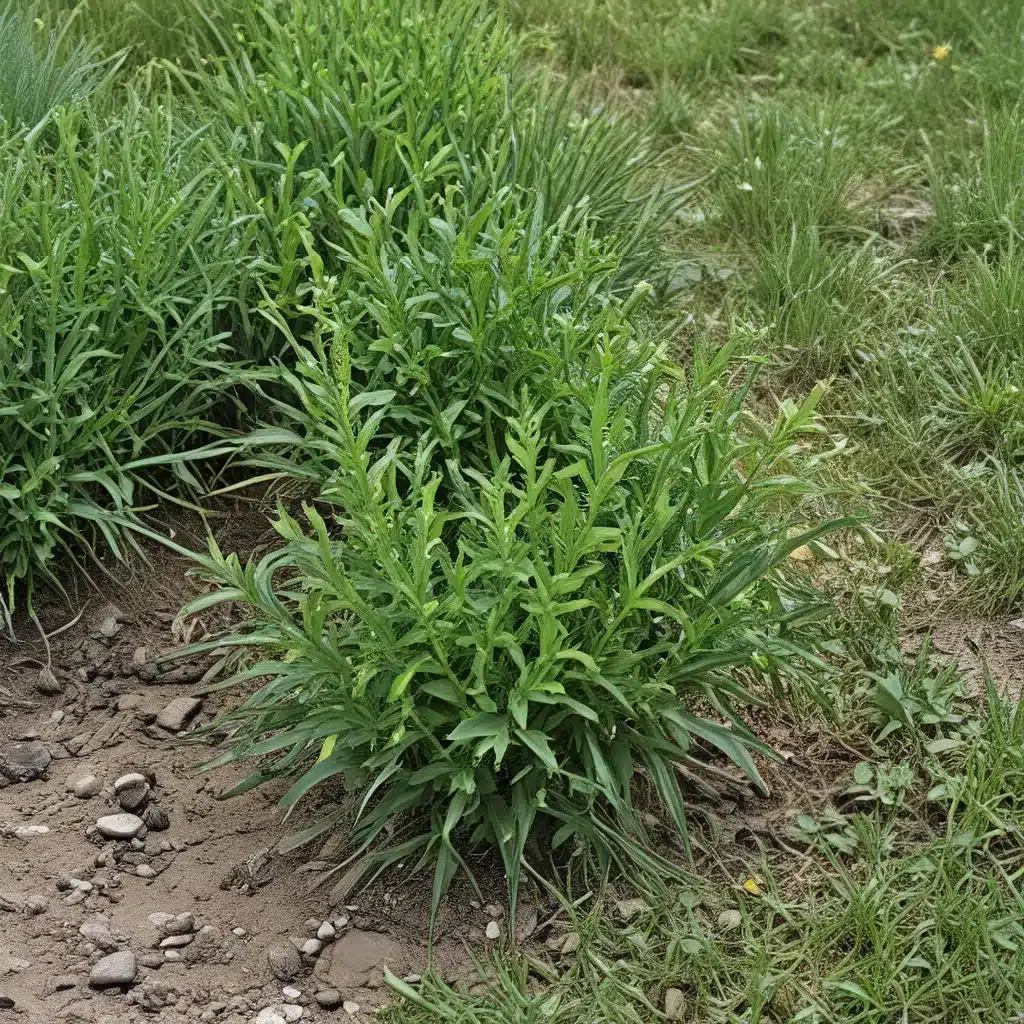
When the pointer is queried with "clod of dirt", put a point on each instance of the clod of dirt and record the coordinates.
(284, 961)
(357, 953)
(155, 818)
(120, 826)
(114, 969)
(329, 998)
(23, 762)
(178, 713)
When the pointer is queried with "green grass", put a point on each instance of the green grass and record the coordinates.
(532, 302)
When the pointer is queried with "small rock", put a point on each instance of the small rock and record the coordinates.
(154, 961)
(493, 911)
(311, 947)
(141, 656)
(350, 1007)
(86, 787)
(239, 932)
(129, 779)
(181, 924)
(412, 979)
(291, 993)
(120, 826)
(674, 1004)
(493, 930)
(25, 761)
(628, 909)
(110, 627)
(571, 944)
(292, 1013)
(340, 922)
(132, 791)
(6, 1003)
(97, 931)
(35, 904)
(328, 998)
(326, 932)
(30, 831)
(284, 960)
(114, 969)
(172, 955)
(730, 919)
(269, 1015)
(160, 920)
(147, 673)
(47, 682)
(155, 818)
(178, 713)
(145, 871)
(176, 941)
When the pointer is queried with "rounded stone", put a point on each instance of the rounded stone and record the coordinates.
(493, 930)
(145, 871)
(328, 998)
(86, 787)
(284, 960)
(120, 826)
(114, 969)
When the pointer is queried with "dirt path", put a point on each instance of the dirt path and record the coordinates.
(191, 915)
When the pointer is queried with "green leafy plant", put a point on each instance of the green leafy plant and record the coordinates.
(918, 698)
(886, 784)
(501, 647)
(121, 269)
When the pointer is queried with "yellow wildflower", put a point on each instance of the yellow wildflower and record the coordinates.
(941, 52)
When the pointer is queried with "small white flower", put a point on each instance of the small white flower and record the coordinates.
(746, 187)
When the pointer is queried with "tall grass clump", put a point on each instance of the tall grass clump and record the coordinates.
(330, 105)
(979, 195)
(122, 274)
(36, 74)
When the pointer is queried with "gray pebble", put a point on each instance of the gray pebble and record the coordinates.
(114, 969)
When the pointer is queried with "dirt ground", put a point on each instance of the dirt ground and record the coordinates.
(219, 927)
